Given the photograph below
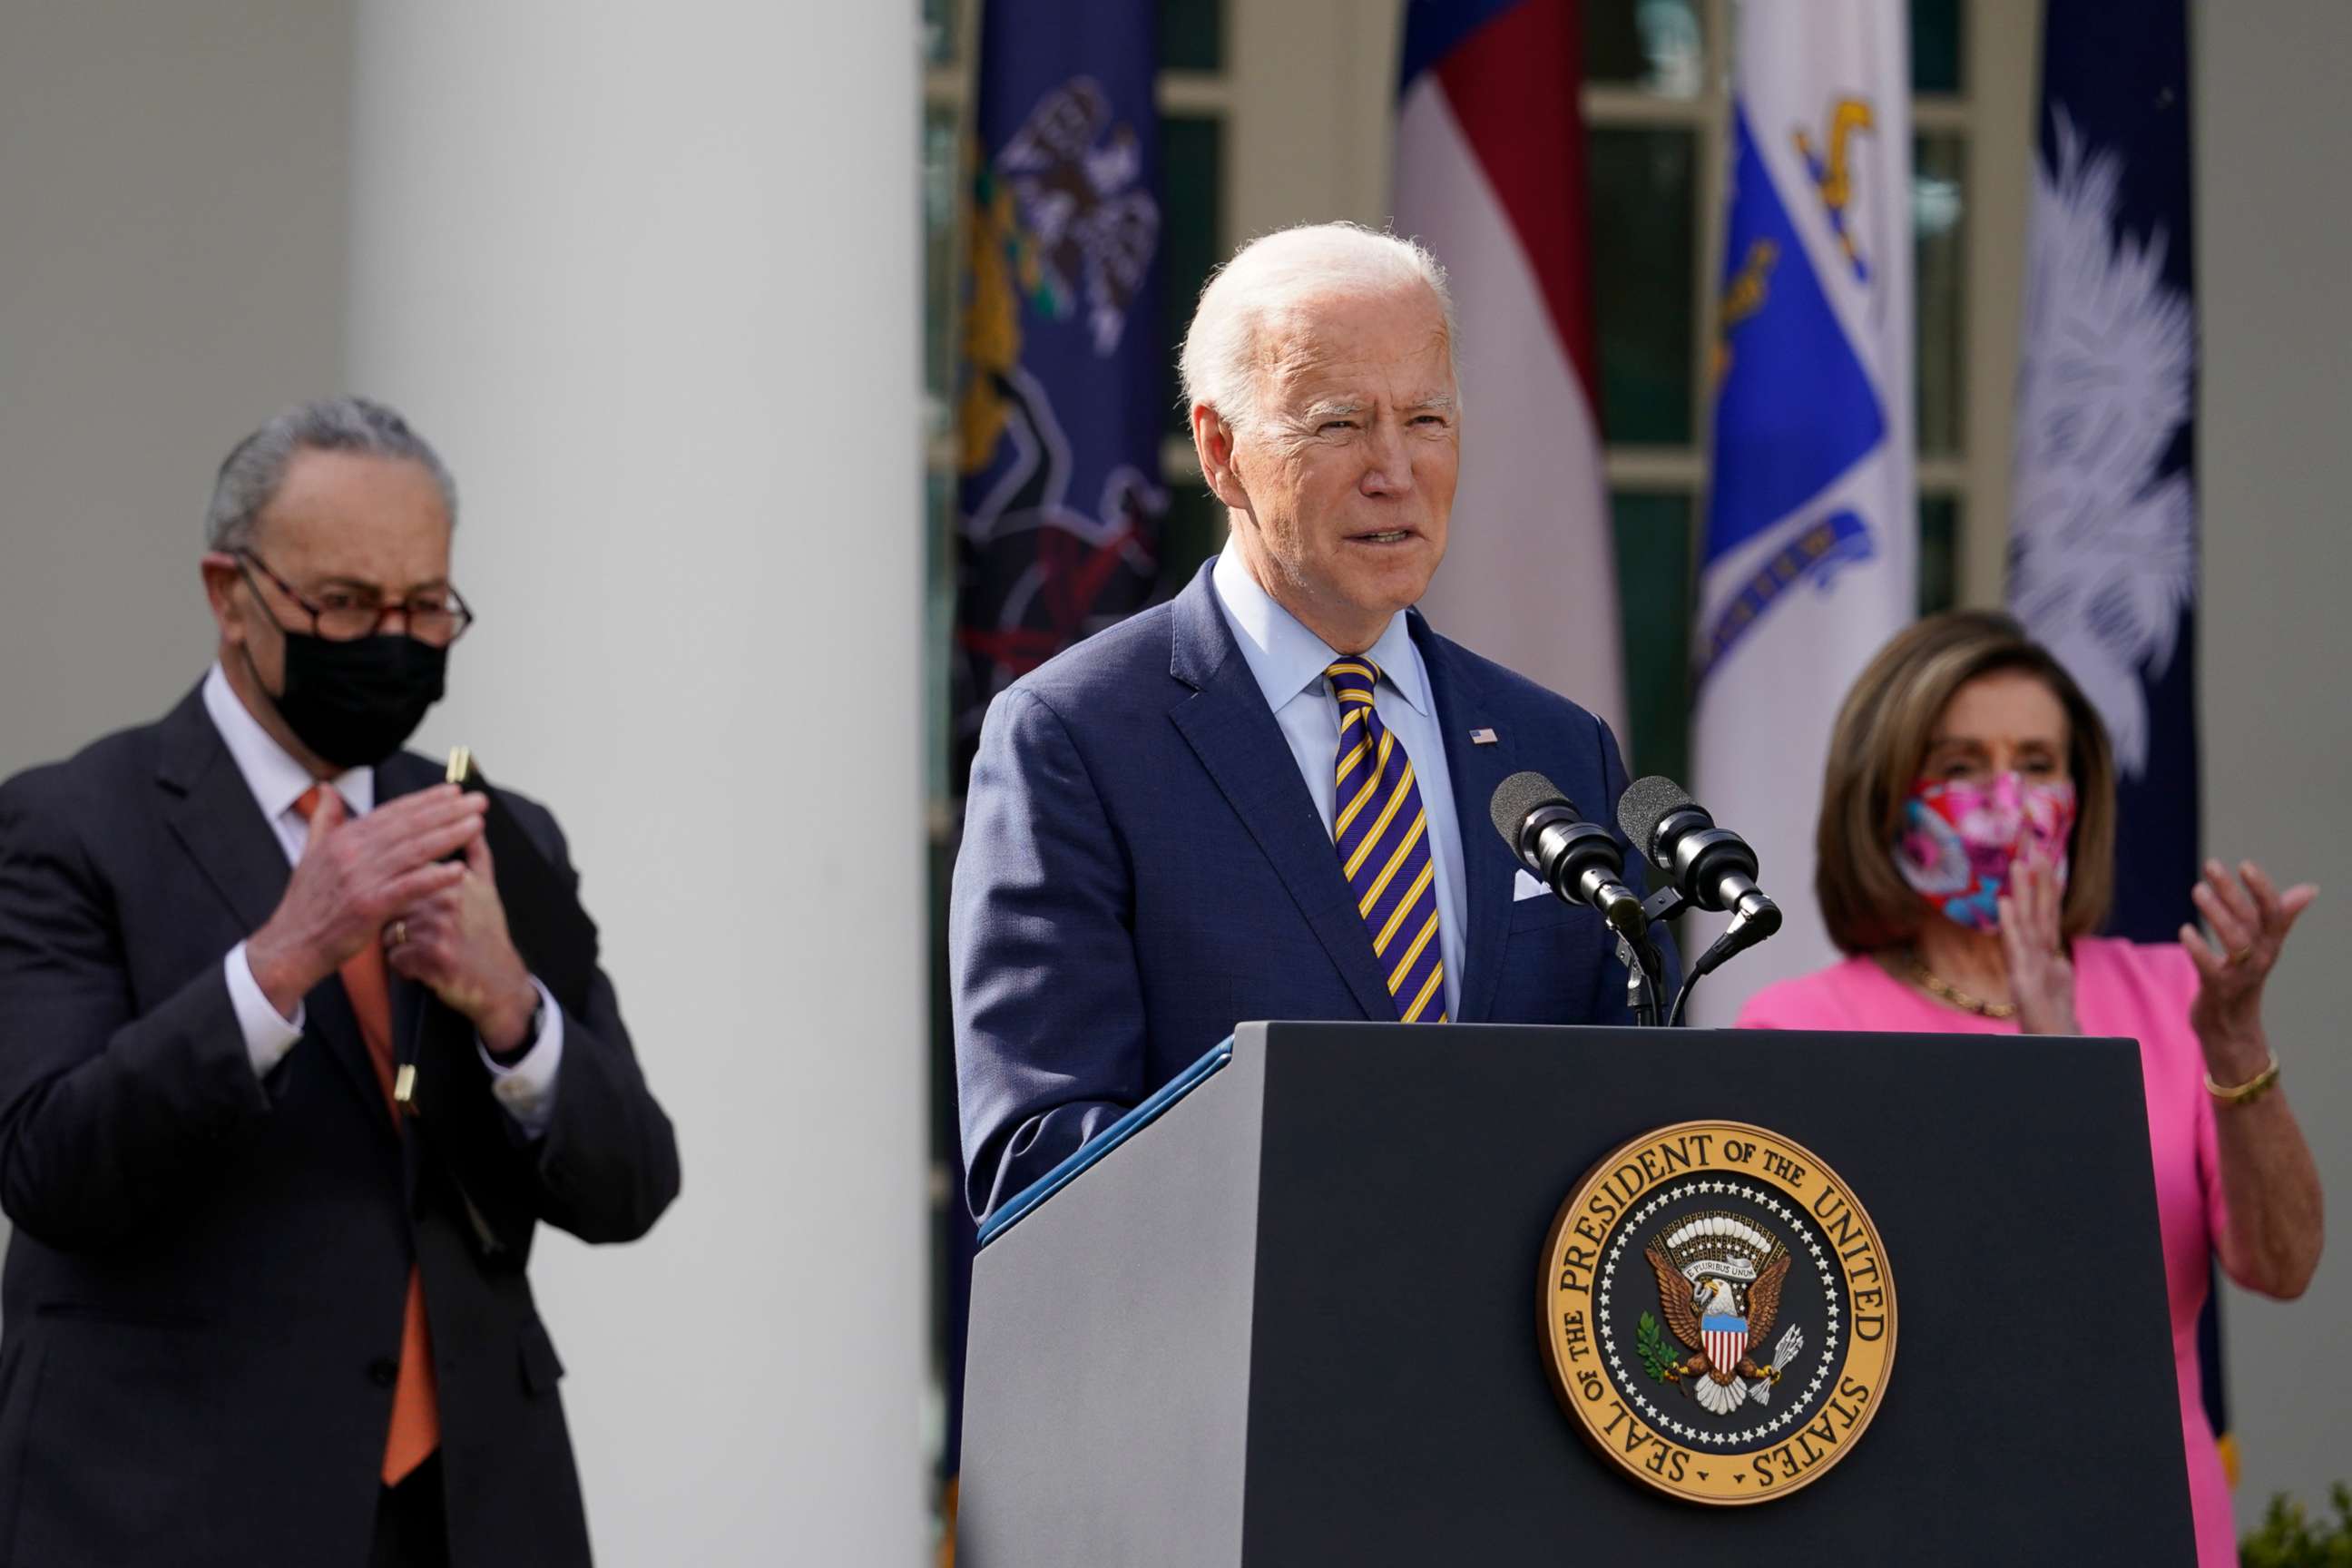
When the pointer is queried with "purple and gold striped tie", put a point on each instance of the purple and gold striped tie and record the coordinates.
(1382, 836)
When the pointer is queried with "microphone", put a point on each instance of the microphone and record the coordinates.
(1578, 860)
(1713, 866)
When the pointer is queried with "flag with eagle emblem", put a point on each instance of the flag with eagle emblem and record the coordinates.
(1059, 416)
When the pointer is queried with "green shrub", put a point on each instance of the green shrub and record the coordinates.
(2289, 1538)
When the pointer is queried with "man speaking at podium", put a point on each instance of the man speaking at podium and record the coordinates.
(281, 1097)
(1268, 798)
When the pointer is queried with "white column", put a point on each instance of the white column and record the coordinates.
(171, 275)
(647, 275)
(2274, 467)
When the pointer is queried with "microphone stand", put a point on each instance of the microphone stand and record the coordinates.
(1645, 966)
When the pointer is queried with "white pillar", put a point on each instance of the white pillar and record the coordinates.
(647, 275)
(2274, 467)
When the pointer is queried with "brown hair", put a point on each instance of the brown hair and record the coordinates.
(1880, 744)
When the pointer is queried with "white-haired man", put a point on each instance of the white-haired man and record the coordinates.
(1269, 797)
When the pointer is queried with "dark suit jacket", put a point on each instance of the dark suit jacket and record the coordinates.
(1142, 869)
(203, 1292)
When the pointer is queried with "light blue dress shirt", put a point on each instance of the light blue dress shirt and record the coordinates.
(1289, 662)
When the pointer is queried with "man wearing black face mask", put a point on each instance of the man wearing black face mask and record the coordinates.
(282, 1094)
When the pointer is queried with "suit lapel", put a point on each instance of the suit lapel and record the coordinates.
(1463, 705)
(1229, 727)
(215, 818)
(212, 813)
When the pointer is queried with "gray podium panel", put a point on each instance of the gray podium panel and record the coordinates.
(1147, 1275)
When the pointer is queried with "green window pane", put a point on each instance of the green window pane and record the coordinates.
(1654, 588)
(1191, 35)
(942, 20)
(1657, 46)
(1939, 553)
(1939, 235)
(938, 630)
(1643, 202)
(942, 274)
(1193, 153)
(1935, 41)
(1194, 531)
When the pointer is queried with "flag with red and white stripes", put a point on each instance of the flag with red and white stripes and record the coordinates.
(1490, 175)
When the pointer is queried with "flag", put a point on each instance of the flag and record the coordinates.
(1810, 561)
(1490, 175)
(2102, 542)
(1060, 401)
(1060, 398)
(2103, 545)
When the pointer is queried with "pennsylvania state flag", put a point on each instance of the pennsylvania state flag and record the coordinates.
(1060, 417)
(1059, 414)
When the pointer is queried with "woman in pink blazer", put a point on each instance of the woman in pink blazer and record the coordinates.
(1964, 858)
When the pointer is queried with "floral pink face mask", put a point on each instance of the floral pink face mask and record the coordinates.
(1959, 840)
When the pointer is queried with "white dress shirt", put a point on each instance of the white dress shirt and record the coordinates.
(1288, 661)
(527, 1090)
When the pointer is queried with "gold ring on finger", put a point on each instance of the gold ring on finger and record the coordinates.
(2240, 956)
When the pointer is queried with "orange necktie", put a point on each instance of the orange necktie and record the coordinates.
(415, 1409)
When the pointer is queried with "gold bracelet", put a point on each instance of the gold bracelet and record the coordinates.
(2246, 1093)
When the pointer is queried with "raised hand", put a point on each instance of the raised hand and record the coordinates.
(2041, 973)
(354, 878)
(2250, 919)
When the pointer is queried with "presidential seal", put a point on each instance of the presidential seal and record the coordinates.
(1717, 1315)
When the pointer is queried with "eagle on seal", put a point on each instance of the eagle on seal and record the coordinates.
(1720, 1283)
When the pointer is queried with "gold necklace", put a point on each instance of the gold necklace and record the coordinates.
(1945, 991)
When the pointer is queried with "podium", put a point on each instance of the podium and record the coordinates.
(1289, 1311)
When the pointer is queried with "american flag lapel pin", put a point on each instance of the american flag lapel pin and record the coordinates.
(1482, 736)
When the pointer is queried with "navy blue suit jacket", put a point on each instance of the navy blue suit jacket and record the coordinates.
(1142, 869)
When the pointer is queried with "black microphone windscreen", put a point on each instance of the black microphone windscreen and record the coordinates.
(1645, 804)
(1517, 796)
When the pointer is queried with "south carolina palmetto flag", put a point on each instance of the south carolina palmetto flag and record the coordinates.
(2103, 523)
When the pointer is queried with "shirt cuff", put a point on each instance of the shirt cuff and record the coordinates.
(268, 1036)
(527, 1090)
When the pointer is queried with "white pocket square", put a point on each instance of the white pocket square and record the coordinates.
(1526, 887)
